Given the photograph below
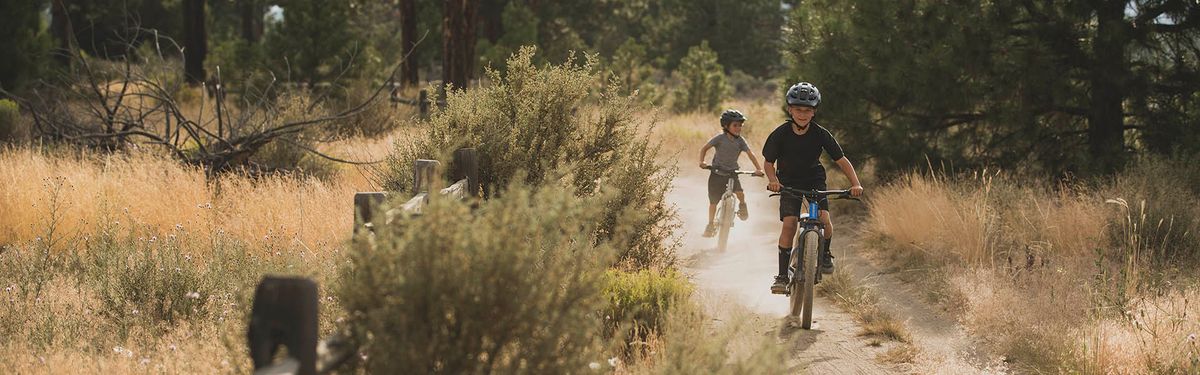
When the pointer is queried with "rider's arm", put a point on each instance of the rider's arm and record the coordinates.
(772, 179)
(703, 151)
(848, 170)
(754, 160)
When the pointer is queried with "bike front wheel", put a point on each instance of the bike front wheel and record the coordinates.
(724, 222)
(804, 261)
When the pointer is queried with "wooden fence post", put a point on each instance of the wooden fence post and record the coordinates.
(423, 104)
(466, 165)
(365, 205)
(424, 173)
(284, 313)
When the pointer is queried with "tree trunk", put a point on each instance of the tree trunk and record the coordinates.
(195, 40)
(60, 27)
(490, 20)
(1109, 81)
(458, 42)
(251, 12)
(408, 41)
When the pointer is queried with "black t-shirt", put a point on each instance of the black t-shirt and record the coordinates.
(797, 158)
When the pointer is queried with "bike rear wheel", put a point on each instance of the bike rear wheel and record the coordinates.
(724, 223)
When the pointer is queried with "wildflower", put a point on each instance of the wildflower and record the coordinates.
(153, 238)
(187, 257)
(8, 288)
(135, 311)
(1192, 337)
(193, 295)
(144, 361)
(612, 362)
(178, 226)
(594, 366)
(172, 347)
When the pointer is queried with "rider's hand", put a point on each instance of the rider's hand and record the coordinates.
(774, 186)
(759, 173)
(703, 165)
(856, 191)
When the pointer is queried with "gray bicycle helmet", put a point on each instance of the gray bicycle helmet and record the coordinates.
(804, 94)
(730, 116)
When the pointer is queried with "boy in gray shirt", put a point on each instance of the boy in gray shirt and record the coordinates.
(729, 145)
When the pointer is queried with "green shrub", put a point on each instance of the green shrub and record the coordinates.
(10, 119)
(643, 299)
(533, 123)
(511, 287)
(703, 85)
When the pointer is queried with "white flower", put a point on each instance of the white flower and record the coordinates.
(193, 295)
(612, 362)
(594, 366)
(144, 361)
(153, 238)
(172, 347)
(187, 257)
(135, 311)
(1192, 337)
(8, 288)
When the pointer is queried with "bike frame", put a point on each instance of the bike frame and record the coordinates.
(808, 221)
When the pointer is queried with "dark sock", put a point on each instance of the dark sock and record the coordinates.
(785, 255)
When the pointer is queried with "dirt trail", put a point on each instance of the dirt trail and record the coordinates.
(742, 276)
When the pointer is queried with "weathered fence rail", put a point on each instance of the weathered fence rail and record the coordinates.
(285, 309)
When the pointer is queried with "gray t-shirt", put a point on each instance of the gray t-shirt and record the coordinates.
(728, 150)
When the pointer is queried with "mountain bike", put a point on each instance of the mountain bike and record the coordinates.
(803, 272)
(726, 207)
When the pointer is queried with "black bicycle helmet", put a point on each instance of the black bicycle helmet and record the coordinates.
(804, 94)
(730, 116)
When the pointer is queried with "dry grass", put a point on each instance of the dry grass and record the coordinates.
(158, 196)
(863, 304)
(899, 354)
(1052, 279)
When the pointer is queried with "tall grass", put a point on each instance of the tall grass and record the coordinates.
(156, 196)
(1053, 278)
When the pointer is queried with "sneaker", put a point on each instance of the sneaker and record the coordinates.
(743, 212)
(826, 262)
(710, 230)
(780, 285)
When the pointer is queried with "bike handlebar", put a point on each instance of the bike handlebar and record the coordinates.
(815, 194)
(729, 171)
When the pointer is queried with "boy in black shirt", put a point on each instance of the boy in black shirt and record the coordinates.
(792, 153)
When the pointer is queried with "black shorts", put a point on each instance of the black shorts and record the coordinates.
(792, 206)
(716, 186)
